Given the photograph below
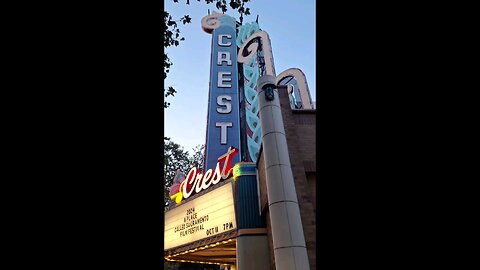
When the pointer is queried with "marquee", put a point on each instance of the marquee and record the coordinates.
(207, 215)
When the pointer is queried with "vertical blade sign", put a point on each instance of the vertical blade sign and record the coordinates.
(223, 121)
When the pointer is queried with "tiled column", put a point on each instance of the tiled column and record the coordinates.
(252, 241)
(287, 231)
(253, 252)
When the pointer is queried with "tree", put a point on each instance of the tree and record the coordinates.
(171, 34)
(176, 158)
(197, 159)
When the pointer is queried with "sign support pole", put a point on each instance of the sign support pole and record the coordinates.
(290, 250)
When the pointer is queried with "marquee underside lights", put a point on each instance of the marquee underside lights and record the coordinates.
(194, 255)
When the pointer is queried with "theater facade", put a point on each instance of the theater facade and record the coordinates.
(253, 204)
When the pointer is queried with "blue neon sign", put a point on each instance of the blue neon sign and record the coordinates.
(223, 121)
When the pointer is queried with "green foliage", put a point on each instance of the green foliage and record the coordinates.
(172, 36)
(175, 157)
(197, 159)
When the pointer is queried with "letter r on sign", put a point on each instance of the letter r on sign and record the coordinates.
(224, 57)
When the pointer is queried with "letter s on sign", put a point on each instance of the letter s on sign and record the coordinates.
(224, 100)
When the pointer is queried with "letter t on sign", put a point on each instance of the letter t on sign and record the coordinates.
(223, 130)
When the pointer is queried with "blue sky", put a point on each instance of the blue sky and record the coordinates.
(291, 27)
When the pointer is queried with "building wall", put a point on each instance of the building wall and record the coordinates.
(300, 132)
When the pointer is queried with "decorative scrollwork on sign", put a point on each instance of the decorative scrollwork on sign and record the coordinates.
(249, 48)
(211, 22)
(251, 74)
(305, 98)
(245, 31)
(214, 20)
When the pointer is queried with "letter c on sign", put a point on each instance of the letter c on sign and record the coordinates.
(220, 40)
(189, 182)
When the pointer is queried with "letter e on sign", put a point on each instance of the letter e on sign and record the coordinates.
(221, 82)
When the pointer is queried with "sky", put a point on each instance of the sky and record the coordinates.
(291, 27)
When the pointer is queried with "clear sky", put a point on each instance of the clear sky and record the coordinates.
(291, 27)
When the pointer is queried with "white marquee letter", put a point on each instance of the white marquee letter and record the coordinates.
(224, 100)
(223, 130)
(221, 79)
(220, 40)
(224, 56)
(190, 176)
